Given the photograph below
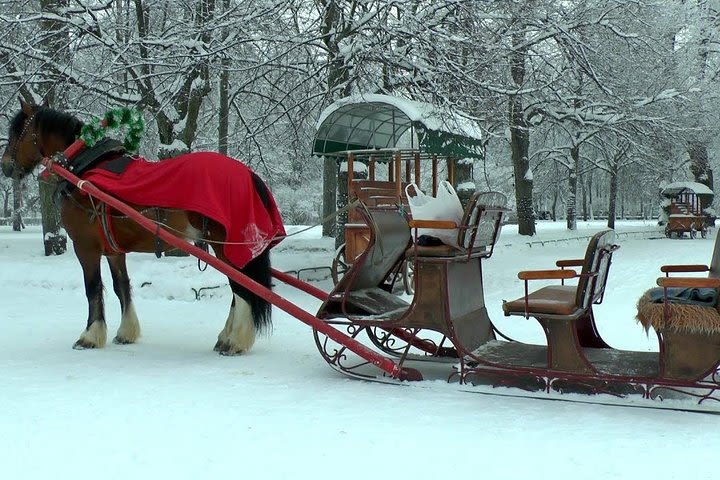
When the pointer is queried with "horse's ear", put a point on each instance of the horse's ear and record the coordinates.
(26, 107)
(45, 103)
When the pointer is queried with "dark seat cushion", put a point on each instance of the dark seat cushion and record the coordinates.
(554, 300)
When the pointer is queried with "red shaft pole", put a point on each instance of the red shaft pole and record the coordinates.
(300, 285)
(361, 350)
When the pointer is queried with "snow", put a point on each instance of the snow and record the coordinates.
(169, 407)
(358, 167)
(176, 145)
(698, 188)
(466, 187)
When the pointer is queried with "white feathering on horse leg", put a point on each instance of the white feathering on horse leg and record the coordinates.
(242, 330)
(224, 335)
(129, 330)
(93, 337)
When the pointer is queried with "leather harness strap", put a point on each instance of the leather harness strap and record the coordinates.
(107, 235)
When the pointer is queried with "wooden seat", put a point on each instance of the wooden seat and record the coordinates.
(361, 291)
(552, 300)
(477, 234)
(565, 311)
(689, 335)
(449, 296)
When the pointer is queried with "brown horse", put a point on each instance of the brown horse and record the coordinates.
(39, 131)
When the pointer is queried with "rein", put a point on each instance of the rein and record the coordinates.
(323, 220)
(28, 123)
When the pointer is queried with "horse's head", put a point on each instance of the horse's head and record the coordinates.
(36, 131)
(22, 153)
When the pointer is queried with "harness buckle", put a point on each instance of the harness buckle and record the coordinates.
(61, 160)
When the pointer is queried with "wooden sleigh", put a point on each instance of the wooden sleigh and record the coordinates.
(445, 331)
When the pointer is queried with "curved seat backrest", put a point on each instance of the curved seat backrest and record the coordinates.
(389, 238)
(596, 265)
(482, 221)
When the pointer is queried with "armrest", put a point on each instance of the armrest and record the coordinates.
(577, 262)
(691, 282)
(546, 274)
(667, 269)
(444, 224)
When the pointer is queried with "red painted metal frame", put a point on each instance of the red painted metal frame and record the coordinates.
(424, 345)
(384, 363)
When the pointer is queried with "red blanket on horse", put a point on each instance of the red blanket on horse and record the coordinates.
(219, 187)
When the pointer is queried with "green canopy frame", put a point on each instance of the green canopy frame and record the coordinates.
(373, 121)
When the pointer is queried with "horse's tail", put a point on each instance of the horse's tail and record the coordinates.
(259, 270)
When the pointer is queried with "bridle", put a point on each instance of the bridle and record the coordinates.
(13, 154)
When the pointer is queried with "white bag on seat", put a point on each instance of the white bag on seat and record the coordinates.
(445, 206)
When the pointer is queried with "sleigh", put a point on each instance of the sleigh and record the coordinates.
(444, 331)
(685, 204)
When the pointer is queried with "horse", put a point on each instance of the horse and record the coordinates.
(37, 132)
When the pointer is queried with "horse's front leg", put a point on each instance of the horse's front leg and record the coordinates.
(129, 330)
(95, 334)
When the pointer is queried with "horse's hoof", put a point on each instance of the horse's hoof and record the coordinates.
(83, 345)
(227, 350)
(122, 341)
(231, 353)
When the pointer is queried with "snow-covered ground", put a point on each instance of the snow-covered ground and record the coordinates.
(169, 407)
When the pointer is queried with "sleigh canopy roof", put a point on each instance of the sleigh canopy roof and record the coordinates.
(371, 121)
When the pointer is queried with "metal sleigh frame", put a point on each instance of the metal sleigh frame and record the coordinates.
(446, 332)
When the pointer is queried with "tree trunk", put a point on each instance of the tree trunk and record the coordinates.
(612, 202)
(520, 142)
(330, 197)
(224, 107)
(464, 179)
(187, 97)
(571, 220)
(700, 168)
(6, 203)
(338, 74)
(583, 184)
(591, 212)
(17, 223)
(54, 237)
(57, 45)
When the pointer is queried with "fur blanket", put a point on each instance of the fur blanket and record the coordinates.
(219, 187)
(683, 317)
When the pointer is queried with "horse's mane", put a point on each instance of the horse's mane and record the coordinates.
(49, 120)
